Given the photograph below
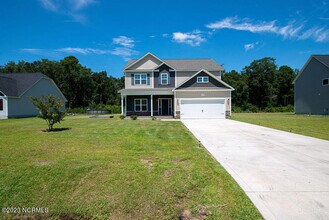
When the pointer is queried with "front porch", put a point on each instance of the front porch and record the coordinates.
(148, 105)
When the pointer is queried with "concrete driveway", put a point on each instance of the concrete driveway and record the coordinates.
(285, 175)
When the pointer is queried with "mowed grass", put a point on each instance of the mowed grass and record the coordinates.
(314, 126)
(114, 169)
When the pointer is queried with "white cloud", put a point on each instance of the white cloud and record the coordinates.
(242, 25)
(292, 30)
(152, 36)
(49, 5)
(124, 41)
(193, 38)
(124, 52)
(248, 47)
(79, 4)
(165, 35)
(65, 50)
(84, 51)
(71, 8)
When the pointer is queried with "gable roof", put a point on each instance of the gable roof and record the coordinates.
(16, 84)
(184, 64)
(132, 62)
(324, 59)
(210, 74)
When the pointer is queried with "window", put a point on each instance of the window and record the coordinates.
(164, 78)
(202, 79)
(140, 79)
(325, 82)
(1, 104)
(140, 105)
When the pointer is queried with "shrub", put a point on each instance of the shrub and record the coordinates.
(122, 117)
(76, 110)
(113, 109)
(50, 109)
(249, 108)
(236, 109)
(153, 118)
(133, 117)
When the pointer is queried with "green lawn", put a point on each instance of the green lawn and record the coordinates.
(114, 169)
(314, 126)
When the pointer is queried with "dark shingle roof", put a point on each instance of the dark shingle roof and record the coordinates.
(323, 59)
(190, 64)
(15, 84)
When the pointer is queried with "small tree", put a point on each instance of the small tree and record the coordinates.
(49, 109)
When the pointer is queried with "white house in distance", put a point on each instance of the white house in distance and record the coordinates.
(16, 90)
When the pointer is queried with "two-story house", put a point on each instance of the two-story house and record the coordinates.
(312, 87)
(182, 88)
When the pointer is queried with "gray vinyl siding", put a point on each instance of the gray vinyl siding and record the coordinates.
(22, 107)
(310, 96)
(213, 83)
(164, 69)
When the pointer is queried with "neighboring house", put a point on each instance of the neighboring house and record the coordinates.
(312, 87)
(16, 90)
(182, 88)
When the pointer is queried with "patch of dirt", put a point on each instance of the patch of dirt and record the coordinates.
(202, 212)
(179, 160)
(148, 164)
(187, 215)
(73, 217)
(43, 163)
(167, 173)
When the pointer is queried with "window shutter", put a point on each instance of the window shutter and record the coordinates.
(148, 79)
(169, 78)
(159, 79)
(132, 79)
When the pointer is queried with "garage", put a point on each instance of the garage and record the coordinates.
(202, 108)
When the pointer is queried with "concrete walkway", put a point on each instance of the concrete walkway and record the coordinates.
(285, 175)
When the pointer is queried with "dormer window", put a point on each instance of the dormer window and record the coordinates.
(164, 78)
(202, 79)
(140, 79)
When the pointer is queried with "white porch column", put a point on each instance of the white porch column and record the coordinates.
(151, 105)
(121, 104)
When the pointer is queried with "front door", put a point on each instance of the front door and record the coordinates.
(165, 104)
(165, 107)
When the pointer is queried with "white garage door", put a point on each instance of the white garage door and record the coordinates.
(202, 108)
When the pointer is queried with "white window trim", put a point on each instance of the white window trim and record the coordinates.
(325, 79)
(140, 79)
(202, 79)
(162, 74)
(141, 105)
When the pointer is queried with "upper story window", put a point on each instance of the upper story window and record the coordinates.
(325, 82)
(164, 78)
(202, 79)
(140, 79)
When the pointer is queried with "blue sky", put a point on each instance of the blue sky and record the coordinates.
(104, 34)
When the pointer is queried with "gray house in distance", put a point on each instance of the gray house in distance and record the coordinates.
(312, 87)
(16, 90)
(180, 88)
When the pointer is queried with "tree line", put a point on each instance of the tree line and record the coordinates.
(80, 85)
(261, 85)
